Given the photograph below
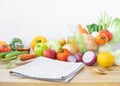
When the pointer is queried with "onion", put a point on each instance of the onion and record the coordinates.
(78, 57)
(71, 58)
(71, 47)
(89, 58)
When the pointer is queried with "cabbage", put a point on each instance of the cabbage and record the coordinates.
(116, 55)
(54, 44)
(106, 47)
(115, 30)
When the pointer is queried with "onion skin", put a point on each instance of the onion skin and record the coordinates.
(71, 48)
(78, 57)
(93, 60)
(71, 58)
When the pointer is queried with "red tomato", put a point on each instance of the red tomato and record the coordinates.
(5, 48)
(63, 54)
(106, 32)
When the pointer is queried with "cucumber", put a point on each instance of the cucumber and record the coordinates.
(2, 55)
(15, 54)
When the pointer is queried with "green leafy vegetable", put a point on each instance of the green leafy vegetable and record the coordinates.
(15, 40)
(115, 30)
(93, 28)
(106, 47)
(105, 20)
(116, 55)
(54, 44)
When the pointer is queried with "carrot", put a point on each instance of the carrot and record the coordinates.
(24, 57)
(81, 29)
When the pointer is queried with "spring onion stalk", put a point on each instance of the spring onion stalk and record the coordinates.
(13, 62)
(104, 20)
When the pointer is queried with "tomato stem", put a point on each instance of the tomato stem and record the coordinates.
(61, 50)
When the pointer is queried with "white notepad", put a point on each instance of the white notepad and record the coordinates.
(48, 69)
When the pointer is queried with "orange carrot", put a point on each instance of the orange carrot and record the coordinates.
(24, 57)
(81, 29)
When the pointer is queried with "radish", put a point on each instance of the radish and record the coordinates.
(78, 57)
(71, 58)
(89, 58)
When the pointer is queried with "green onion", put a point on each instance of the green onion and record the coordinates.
(104, 20)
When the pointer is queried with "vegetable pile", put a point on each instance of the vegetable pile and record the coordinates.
(96, 43)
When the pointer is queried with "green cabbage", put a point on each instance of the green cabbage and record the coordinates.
(116, 55)
(54, 44)
(115, 30)
(106, 47)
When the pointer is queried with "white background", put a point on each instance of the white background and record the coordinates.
(29, 18)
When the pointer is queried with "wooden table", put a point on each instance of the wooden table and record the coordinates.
(86, 77)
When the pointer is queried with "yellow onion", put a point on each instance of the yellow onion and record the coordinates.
(71, 48)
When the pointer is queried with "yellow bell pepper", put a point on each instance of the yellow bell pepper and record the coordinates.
(36, 40)
(2, 42)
